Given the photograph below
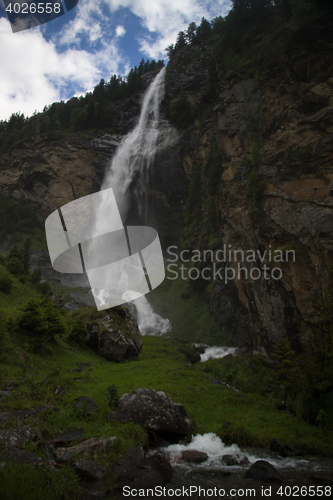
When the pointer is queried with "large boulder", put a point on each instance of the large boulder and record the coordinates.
(154, 411)
(114, 335)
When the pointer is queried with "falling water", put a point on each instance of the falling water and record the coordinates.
(128, 176)
(129, 170)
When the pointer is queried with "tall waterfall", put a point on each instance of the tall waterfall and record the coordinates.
(128, 176)
(129, 171)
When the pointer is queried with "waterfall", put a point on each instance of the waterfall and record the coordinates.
(128, 176)
(129, 171)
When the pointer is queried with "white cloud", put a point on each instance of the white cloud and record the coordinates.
(35, 71)
(34, 74)
(120, 31)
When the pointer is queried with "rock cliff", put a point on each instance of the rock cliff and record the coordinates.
(256, 149)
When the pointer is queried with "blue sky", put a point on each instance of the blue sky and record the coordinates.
(98, 38)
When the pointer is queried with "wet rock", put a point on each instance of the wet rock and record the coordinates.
(18, 437)
(235, 460)
(192, 356)
(153, 410)
(88, 403)
(194, 456)
(263, 471)
(148, 473)
(283, 450)
(88, 448)
(90, 470)
(67, 436)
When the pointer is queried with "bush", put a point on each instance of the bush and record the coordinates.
(5, 280)
(78, 333)
(39, 322)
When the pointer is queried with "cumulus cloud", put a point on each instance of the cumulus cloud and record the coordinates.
(37, 70)
(34, 74)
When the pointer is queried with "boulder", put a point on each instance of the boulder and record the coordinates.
(115, 336)
(148, 473)
(194, 456)
(154, 411)
(90, 470)
(263, 471)
(88, 448)
(17, 437)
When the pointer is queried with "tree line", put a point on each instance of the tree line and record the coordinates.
(94, 110)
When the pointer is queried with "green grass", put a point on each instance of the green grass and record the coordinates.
(185, 307)
(255, 421)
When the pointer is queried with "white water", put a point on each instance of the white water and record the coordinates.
(149, 322)
(128, 176)
(129, 170)
(214, 352)
(208, 443)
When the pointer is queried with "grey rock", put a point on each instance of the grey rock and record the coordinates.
(194, 456)
(90, 470)
(67, 436)
(21, 456)
(88, 448)
(153, 410)
(18, 436)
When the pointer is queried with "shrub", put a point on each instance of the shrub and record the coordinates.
(78, 333)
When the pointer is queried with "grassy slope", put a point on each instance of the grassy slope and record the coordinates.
(255, 421)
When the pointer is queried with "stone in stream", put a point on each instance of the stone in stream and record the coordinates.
(263, 471)
(194, 456)
(231, 460)
(154, 411)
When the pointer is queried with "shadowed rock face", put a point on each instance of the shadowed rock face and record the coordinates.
(154, 411)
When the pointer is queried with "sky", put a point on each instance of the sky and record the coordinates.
(96, 39)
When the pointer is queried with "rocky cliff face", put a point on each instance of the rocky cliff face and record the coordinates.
(258, 154)
(260, 161)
